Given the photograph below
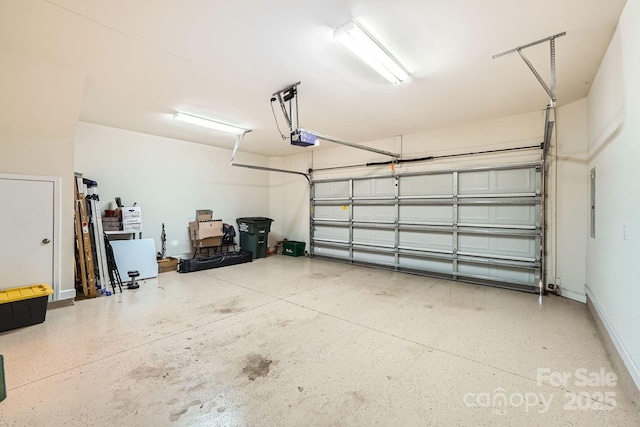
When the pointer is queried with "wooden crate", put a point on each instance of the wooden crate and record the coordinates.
(167, 264)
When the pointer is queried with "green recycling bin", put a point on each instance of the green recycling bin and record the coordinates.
(254, 235)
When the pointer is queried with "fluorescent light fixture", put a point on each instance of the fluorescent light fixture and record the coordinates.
(207, 123)
(356, 39)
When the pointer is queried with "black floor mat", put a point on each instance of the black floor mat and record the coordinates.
(215, 261)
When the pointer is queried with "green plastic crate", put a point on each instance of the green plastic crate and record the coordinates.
(293, 248)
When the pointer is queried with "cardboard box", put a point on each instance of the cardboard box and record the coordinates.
(167, 264)
(130, 213)
(207, 243)
(204, 215)
(199, 230)
(132, 226)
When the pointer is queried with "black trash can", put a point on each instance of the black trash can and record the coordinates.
(254, 235)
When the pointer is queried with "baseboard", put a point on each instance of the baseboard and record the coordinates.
(628, 371)
(66, 294)
(60, 304)
(572, 295)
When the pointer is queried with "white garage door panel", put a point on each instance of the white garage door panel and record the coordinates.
(427, 185)
(480, 225)
(515, 246)
(426, 240)
(332, 189)
(506, 274)
(373, 258)
(497, 182)
(473, 182)
(374, 187)
(374, 213)
(426, 265)
(516, 181)
(380, 237)
(426, 214)
(332, 233)
(515, 215)
(332, 212)
(498, 215)
(331, 252)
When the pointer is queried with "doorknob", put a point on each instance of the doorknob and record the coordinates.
(46, 241)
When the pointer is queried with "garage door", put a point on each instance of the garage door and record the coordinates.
(480, 225)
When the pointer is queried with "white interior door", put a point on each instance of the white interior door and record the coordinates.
(26, 232)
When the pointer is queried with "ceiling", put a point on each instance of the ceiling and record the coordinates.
(145, 59)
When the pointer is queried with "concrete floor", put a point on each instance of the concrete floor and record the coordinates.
(296, 342)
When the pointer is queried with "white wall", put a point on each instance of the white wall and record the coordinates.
(289, 199)
(38, 115)
(569, 190)
(170, 179)
(613, 267)
(505, 132)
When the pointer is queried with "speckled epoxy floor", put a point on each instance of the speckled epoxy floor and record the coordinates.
(291, 341)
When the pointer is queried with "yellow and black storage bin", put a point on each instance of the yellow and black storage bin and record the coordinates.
(23, 306)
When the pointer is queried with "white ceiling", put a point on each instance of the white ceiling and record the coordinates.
(145, 59)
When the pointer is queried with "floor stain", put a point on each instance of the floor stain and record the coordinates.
(284, 322)
(225, 311)
(197, 387)
(358, 395)
(175, 416)
(221, 409)
(143, 372)
(122, 404)
(257, 366)
(386, 294)
(230, 307)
